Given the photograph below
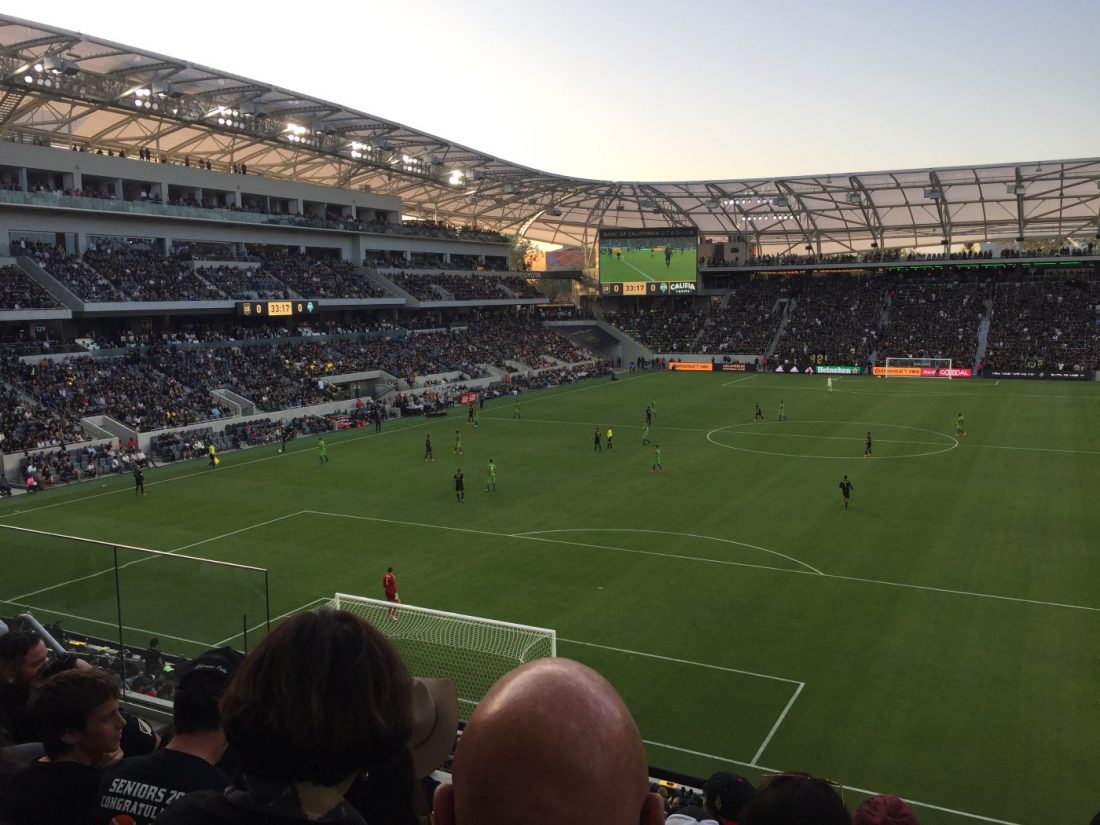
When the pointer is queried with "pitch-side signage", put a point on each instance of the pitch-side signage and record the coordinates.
(925, 372)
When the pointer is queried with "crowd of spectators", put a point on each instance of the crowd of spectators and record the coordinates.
(837, 318)
(748, 319)
(160, 386)
(81, 280)
(142, 389)
(1050, 324)
(938, 320)
(243, 283)
(442, 229)
(18, 291)
(420, 287)
(901, 255)
(662, 329)
(312, 277)
(113, 270)
(27, 425)
(141, 274)
(466, 287)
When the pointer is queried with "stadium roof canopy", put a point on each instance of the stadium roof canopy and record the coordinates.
(67, 88)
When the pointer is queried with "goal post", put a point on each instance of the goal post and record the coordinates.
(471, 651)
(910, 367)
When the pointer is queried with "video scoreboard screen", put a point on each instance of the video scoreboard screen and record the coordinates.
(276, 309)
(648, 262)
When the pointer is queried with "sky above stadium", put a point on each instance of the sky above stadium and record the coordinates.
(648, 90)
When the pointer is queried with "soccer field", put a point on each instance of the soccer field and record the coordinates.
(647, 265)
(937, 641)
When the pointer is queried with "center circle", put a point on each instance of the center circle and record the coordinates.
(784, 430)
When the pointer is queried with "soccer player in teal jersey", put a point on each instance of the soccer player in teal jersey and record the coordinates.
(657, 460)
(645, 435)
(491, 477)
(322, 451)
(960, 429)
(515, 408)
(458, 443)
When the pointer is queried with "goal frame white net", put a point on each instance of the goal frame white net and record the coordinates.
(893, 363)
(471, 651)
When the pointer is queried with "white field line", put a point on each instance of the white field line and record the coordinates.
(686, 662)
(783, 715)
(704, 560)
(571, 543)
(767, 432)
(778, 722)
(531, 533)
(258, 625)
(628, 263)
(1037, 449)
(17, 599)
(865, 791)
(738, 381)
(770, 432)
(929, 394)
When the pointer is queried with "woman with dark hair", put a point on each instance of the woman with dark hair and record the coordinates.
(323, 699)
(795, 799)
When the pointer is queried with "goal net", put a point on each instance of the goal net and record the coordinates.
(470, 651)
(911, 367)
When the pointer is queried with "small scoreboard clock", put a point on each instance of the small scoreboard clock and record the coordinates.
(275, 309)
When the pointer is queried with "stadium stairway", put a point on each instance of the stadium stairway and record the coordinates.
(779, 332)
(983, 333)
(48, 282)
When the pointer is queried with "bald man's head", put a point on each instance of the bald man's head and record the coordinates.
(549, 739)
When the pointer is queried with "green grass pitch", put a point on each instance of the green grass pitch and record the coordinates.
(938, 640)
(644, 265)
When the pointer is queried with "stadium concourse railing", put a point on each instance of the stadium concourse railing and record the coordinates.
(86, 590)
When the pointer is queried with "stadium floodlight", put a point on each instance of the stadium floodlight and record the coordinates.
(360, 151)
(295, 132)
(226, 116)
(456, 177)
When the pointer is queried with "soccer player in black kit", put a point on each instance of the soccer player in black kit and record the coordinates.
(139, 481)
(867, 446)
(460, 486)
(845, 490)
(428, 448)
(597, 445)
